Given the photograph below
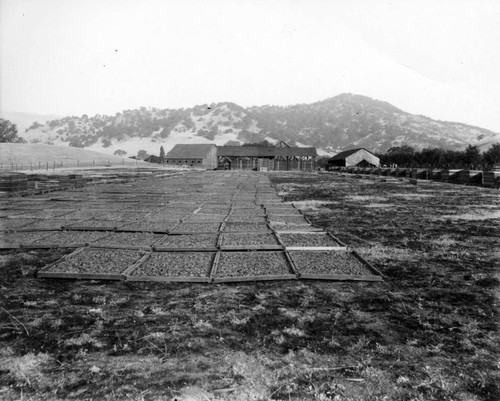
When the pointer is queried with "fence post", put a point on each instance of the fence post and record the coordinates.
(47, 166)
(54, 165)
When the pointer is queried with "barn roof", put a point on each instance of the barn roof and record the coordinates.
(263, 151)
(295, 151)
(245, 151)
(347, 153)
(189, 151)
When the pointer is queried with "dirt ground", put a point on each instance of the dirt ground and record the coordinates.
(428, 332)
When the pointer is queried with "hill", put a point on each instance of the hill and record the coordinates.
(331, 125)
(352, 121)
(24, 121)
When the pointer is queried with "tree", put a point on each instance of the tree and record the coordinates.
(162, 153)
(264, 144)
(8, 132)
(401, 155)
(471, 155)
(120, 152)
(232, 143)
(142, 154)
(492, 155)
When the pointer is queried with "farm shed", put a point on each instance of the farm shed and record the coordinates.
(193, 155)
(354, 157)
(282, 158)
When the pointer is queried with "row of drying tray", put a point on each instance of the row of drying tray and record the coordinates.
(164, 267)
(236, 241)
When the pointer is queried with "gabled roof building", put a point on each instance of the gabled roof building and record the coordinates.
(355, 157)
(193, 155)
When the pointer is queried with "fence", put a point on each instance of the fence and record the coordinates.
(69, 163)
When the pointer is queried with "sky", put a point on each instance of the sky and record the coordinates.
(71, 57)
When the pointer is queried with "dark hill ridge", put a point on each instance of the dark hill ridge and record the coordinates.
(350, 120)
(333, 124)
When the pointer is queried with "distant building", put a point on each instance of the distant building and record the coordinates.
(193, 155)
(282, 157)
(354, 158)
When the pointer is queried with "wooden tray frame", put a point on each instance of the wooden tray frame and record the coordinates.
(316, 248)
(176, 232)
(161, 249)
(123, 247)
(53, 246)
(122, 229)
(268, 229)
(297, 230)
(252, 247)
(340, 277)
(271, 247)
(234, 279)
(340, 247)
(376, 276)
(65, 245)
(164, 279)
(46, 273)
(214, 248)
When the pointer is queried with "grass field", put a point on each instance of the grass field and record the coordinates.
(428, 332)
(20, 157)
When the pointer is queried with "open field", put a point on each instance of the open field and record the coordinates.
(427, 332)
(30, 157)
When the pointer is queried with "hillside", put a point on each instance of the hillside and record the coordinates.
(348, 121)
(332, 125)
(24, 121)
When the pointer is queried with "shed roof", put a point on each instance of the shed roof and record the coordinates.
(245, 151)
(189, 151)
(263, 151)
(296, 151)
(346, 153)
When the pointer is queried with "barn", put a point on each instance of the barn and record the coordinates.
(193, 155)
(266, 158)
(354, 157)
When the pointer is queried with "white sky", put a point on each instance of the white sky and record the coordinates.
(438, 58)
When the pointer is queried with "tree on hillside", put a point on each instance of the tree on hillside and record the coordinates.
(232, 143)
(8, 132)
(120, 152)
(142, 154)
(264, 144)
(492, 155)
